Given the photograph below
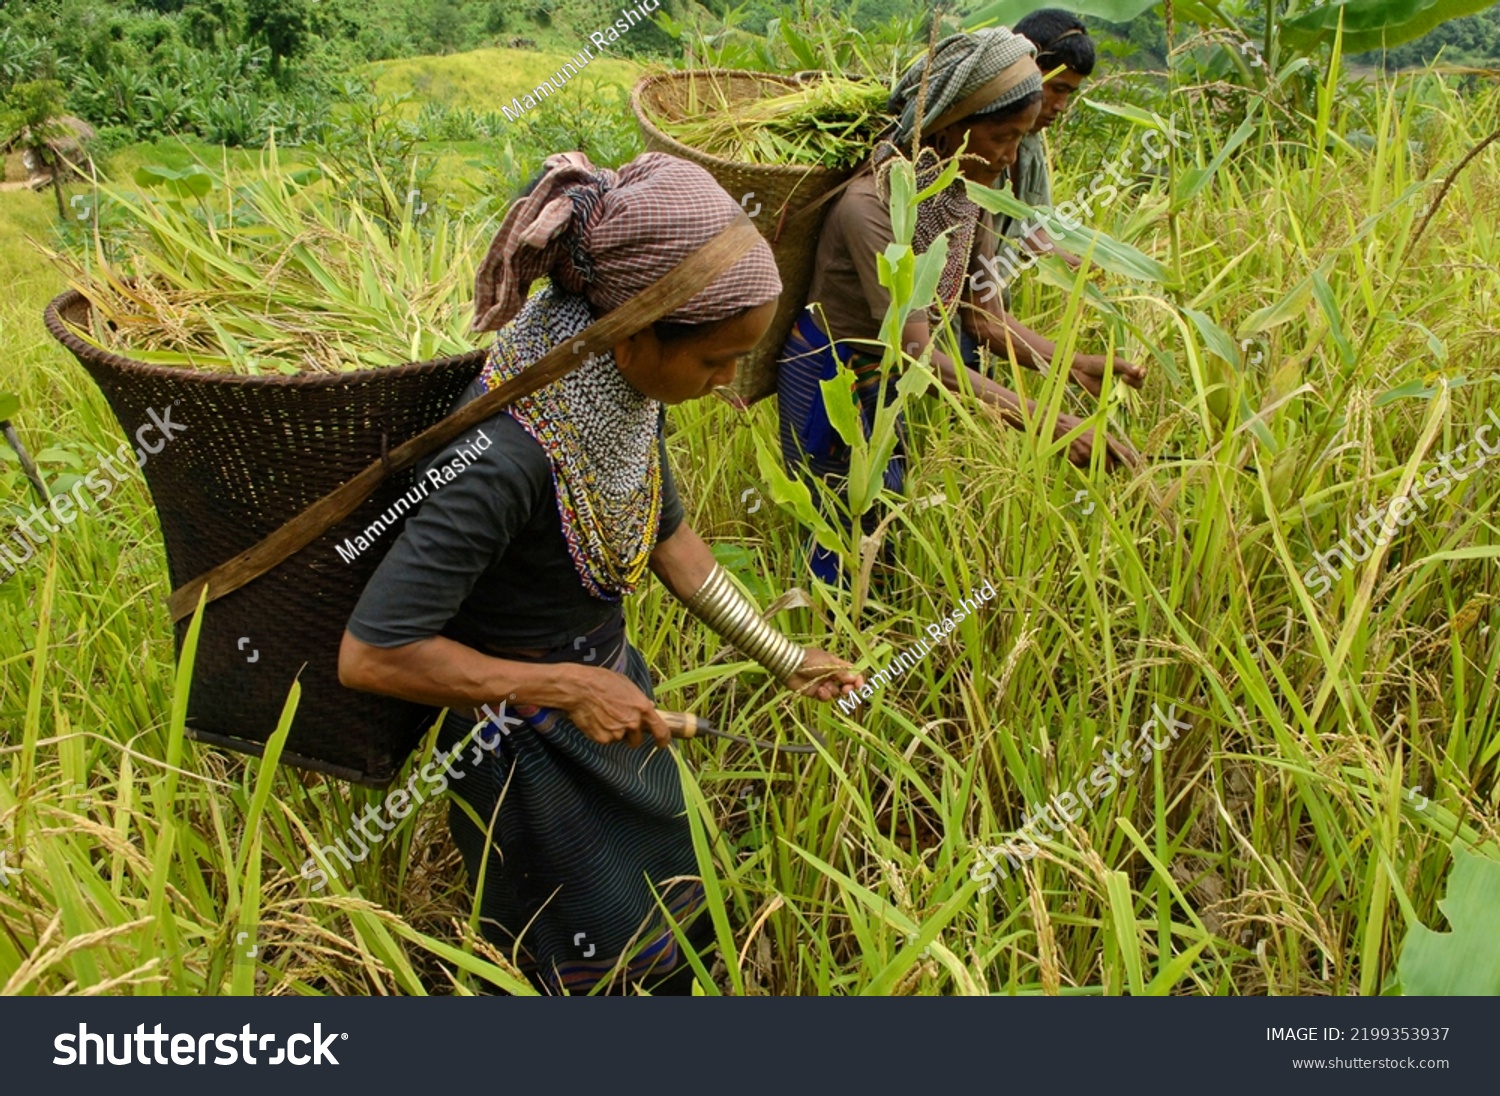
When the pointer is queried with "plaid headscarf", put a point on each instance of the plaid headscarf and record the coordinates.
(966, 74)
(601, 237)
(609, 235)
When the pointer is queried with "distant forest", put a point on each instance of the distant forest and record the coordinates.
(231, 69)
(371, 30)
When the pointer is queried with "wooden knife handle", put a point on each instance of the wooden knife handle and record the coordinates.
(683, 724)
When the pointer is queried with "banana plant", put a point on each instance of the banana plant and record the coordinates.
(1294, 28)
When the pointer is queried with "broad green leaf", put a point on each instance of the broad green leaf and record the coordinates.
(1006, 12)
(1373, 24)
(843, 406)
(55, 455)
(1466, 961)
(1416, 390)
(902, 182)
(1214, 336)
(740, 562)
(929, 268)
(154, 175)
(1136, 115)
(1323, 292)
(1103, 251)
(796, 497)
(10, 406)
(1196, 179)
(1283, 311)
(193, 181)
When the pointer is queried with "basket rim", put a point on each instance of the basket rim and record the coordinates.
(62, 331)
(647, 122)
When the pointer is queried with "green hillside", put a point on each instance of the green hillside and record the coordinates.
(487, 79)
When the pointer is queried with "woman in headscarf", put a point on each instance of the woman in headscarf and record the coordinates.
(506, 587)
(982, 88)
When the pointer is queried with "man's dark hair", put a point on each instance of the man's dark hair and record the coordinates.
(1048, 30)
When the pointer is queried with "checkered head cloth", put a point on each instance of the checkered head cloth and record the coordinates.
(966, 74)
(609, 235)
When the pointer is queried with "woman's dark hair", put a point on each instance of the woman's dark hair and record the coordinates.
(670, 332)
(1046, 29)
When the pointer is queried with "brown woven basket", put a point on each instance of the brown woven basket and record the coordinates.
(775, 196)
(256, 452)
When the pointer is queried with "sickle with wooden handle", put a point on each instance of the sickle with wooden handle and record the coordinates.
(687, 725)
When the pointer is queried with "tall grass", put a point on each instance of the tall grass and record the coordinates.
(1271, 849)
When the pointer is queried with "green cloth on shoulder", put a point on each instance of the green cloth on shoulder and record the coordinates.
(1033, 185)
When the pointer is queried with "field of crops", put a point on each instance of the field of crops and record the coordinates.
(1338, 747)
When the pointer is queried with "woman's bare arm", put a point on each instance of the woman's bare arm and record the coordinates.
(446, 674)
(442, 672)
(1011, 339)
(917, 334)
(683, 562)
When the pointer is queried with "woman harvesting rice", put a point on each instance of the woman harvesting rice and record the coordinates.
(984, 89)
(507, 584)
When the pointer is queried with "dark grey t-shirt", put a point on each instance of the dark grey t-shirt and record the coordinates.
(483, 559)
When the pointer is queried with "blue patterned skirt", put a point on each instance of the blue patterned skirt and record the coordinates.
(582, 834)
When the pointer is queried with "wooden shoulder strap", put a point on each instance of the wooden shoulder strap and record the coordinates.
(679, 286)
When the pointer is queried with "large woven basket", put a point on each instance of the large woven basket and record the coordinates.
(774, 196)
(255, 452)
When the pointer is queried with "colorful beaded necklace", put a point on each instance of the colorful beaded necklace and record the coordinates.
(600, 436)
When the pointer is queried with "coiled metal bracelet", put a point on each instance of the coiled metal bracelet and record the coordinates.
(731, 616)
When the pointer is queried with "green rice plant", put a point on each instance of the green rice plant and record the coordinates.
(1340, 769)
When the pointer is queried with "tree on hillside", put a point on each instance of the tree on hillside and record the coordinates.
(208, 21)
(445, 26)
(281, 24)
(33, 112)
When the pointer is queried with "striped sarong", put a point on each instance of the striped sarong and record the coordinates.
(582, 834)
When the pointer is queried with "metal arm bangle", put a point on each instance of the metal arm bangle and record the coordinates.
(731, 616)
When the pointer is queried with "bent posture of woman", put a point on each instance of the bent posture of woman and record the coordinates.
(506, 586)
(982, 88)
